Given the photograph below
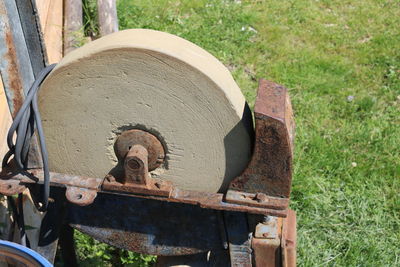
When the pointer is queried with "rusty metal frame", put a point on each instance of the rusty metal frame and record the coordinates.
(83, 190)
(274, 241)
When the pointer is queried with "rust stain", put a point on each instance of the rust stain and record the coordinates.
(13, 74)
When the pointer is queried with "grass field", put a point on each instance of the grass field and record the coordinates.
(341, 61)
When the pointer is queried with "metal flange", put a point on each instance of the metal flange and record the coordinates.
(150, 142)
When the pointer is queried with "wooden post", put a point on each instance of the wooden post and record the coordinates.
(73, 25)
(51, 20)
(108, 19)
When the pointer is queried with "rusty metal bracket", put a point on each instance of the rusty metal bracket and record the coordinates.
(152, 187)
(269, 173)
(259, 200)
(80, 190)
(136, 166)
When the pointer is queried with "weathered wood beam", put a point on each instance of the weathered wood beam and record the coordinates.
(108, 20)
(73, 25)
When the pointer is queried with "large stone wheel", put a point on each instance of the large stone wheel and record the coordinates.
(153, 81)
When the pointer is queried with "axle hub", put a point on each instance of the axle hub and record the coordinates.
(130, 138)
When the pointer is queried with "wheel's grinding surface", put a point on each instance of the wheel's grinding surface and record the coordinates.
(148, 80)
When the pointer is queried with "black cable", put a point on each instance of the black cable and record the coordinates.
(24, 124)
(21, 222)
(18, 215)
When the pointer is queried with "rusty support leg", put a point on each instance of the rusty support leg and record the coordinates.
(67, 246)
(266, 252)
(51, 224)
(238, 238)
(266, 243)
(274, 242)
(289, 240)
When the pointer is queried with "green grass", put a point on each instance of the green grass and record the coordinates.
(341, 61)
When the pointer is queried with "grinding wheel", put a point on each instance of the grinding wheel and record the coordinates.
(152, 81)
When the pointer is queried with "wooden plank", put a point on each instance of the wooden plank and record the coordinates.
(53, 31)
(108, 20)
(43, 7)
(73, 25)
(5, 121)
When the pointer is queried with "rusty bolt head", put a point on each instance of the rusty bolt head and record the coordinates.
(261, 197)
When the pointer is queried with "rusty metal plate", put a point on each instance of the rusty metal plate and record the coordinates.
(11, 187)
(80, 196)
(152, 187)
(259, 200)
(80, 190)
(148, 226)
(56, 179)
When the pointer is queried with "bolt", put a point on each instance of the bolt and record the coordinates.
(133, 164)
(260, 197)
